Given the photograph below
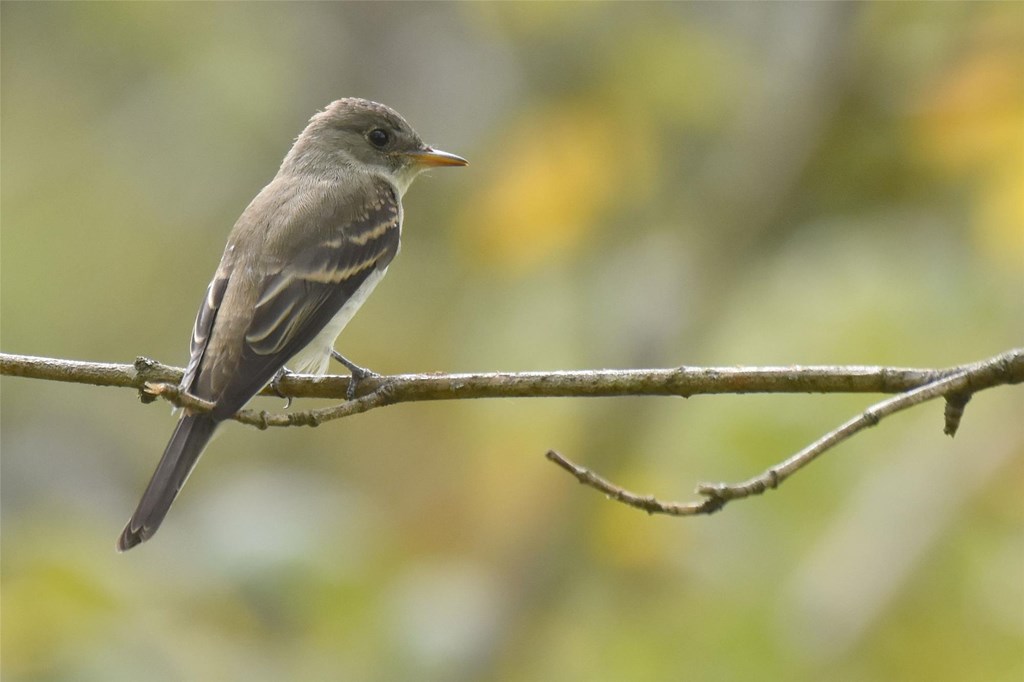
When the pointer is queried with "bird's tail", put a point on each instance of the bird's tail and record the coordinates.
(190, 437)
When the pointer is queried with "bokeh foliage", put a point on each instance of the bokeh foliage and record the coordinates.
(652, 184)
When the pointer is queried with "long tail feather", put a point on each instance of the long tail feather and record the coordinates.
(190, 438)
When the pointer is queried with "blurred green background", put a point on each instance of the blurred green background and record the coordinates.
(651, 185)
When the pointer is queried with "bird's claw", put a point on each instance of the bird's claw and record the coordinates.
(358, 374)
(283, 372)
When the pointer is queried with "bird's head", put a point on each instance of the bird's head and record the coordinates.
(371, 137)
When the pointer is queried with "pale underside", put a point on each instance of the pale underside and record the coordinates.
(316, 357)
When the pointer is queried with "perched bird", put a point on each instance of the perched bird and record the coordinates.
(299, 262)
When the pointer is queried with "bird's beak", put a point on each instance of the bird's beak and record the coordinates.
(430, 157)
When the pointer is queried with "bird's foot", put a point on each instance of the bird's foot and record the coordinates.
(283, 372)
(358, 373)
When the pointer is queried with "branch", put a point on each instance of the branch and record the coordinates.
(401, 388)
(914, 386)
(957, 388)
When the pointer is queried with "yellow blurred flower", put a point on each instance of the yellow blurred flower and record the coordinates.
(973, 126)
(559, 170)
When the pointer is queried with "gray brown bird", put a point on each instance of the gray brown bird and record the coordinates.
(302, 258)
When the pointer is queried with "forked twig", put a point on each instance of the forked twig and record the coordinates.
(913, 386)
(957, 388)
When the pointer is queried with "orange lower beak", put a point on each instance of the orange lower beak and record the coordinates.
(430, 157)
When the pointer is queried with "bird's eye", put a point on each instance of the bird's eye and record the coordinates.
(378, 137)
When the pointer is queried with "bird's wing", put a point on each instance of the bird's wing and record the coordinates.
(204, 322)
(235, 353)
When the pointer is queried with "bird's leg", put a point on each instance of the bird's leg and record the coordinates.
(283, 372)
(358, 373)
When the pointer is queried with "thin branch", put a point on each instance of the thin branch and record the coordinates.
(914, 386)
(647, 503)
(262, 419)
(386, 390)
(957, 388)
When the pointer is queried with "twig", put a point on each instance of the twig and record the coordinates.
(262, 419)
(956, 388)
(647, 503)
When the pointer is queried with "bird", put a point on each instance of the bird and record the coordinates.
(298, 263)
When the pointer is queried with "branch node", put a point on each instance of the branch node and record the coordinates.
(954, 411)
(870, 417)
(143, 364)
(155, 389)
(386, 393)
(711, 504)
(710, 489)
